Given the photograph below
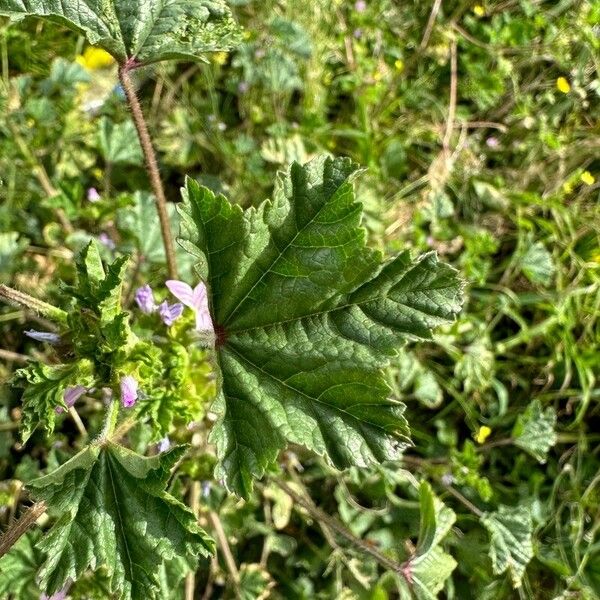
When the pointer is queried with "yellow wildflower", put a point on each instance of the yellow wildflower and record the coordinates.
(482, 434)
(562, 85)
(95, 58)
(587, 178)
(219, 58)
(479, 10)
(567, 187)
(377, 75)
(399, 64)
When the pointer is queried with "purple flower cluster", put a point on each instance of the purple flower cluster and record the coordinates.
(169, 313)
(194, 298)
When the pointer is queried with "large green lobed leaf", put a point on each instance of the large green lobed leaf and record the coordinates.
(113, 512)
(306, 317)
(145, 31)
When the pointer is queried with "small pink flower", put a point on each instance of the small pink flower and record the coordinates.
(196, 299)
(360, 6)
(71, 395)
(43, 336)
(93, 195)
(129, 391)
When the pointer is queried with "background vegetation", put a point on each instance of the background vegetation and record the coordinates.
(477, 125)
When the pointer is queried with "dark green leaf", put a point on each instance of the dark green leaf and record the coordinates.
(143, 30)
(306, 317)
(115, 513)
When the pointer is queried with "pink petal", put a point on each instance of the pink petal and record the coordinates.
(204, 321)
(200, 297)
(182, 291)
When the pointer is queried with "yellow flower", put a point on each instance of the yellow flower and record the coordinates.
(399, 64)
(587, 178)
(567, 187)
(482, 434)
(95, 58)
(377, 75)
(479, 10)
(219, 58)
(562, 85)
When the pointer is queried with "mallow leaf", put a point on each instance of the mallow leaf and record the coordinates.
(306, 317)
(511, 546)
(143, 31)
(534, 430)
(114, 513)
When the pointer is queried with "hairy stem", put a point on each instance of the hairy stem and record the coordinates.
(151, 166)
(20, 527)
(194, 502)
(17, 298)
(335, 525)
(110, 421)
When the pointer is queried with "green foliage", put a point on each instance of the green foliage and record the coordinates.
(306, 317)
(425, 573)
(19, 567)
(511, 548)
(534, 430)
(113, 512)
(44, 389)
(143, 31)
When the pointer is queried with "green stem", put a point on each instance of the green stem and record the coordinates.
(151, 166)
(17, 298)
(110, 421)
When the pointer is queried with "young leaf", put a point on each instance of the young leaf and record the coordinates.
(511, 547)
(306, 316)
(534, 430)
(115, 513)
(425, 573)
(144, 31)
(45, 387)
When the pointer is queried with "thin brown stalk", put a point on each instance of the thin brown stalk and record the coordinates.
(20, 527)
(217, 527)
(453, 91)
(337, 527)
(151, 166)
(430, 22)
(8, 355)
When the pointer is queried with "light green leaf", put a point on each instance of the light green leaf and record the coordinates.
(115, 513)
(44, 389)
(511, 546)
(534, 430)
(255, 582)
(306, 318)
(424, 574)
(143, 31)
(118, 142)
(537, 264)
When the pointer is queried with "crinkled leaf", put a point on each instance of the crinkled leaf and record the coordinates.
(143, 30)
(534, 430)
(306, 317)
(255, 582)
(115, 513)
(511, 547)
(98, 290)
(44, 388)
(424, 574)
(18, 569)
